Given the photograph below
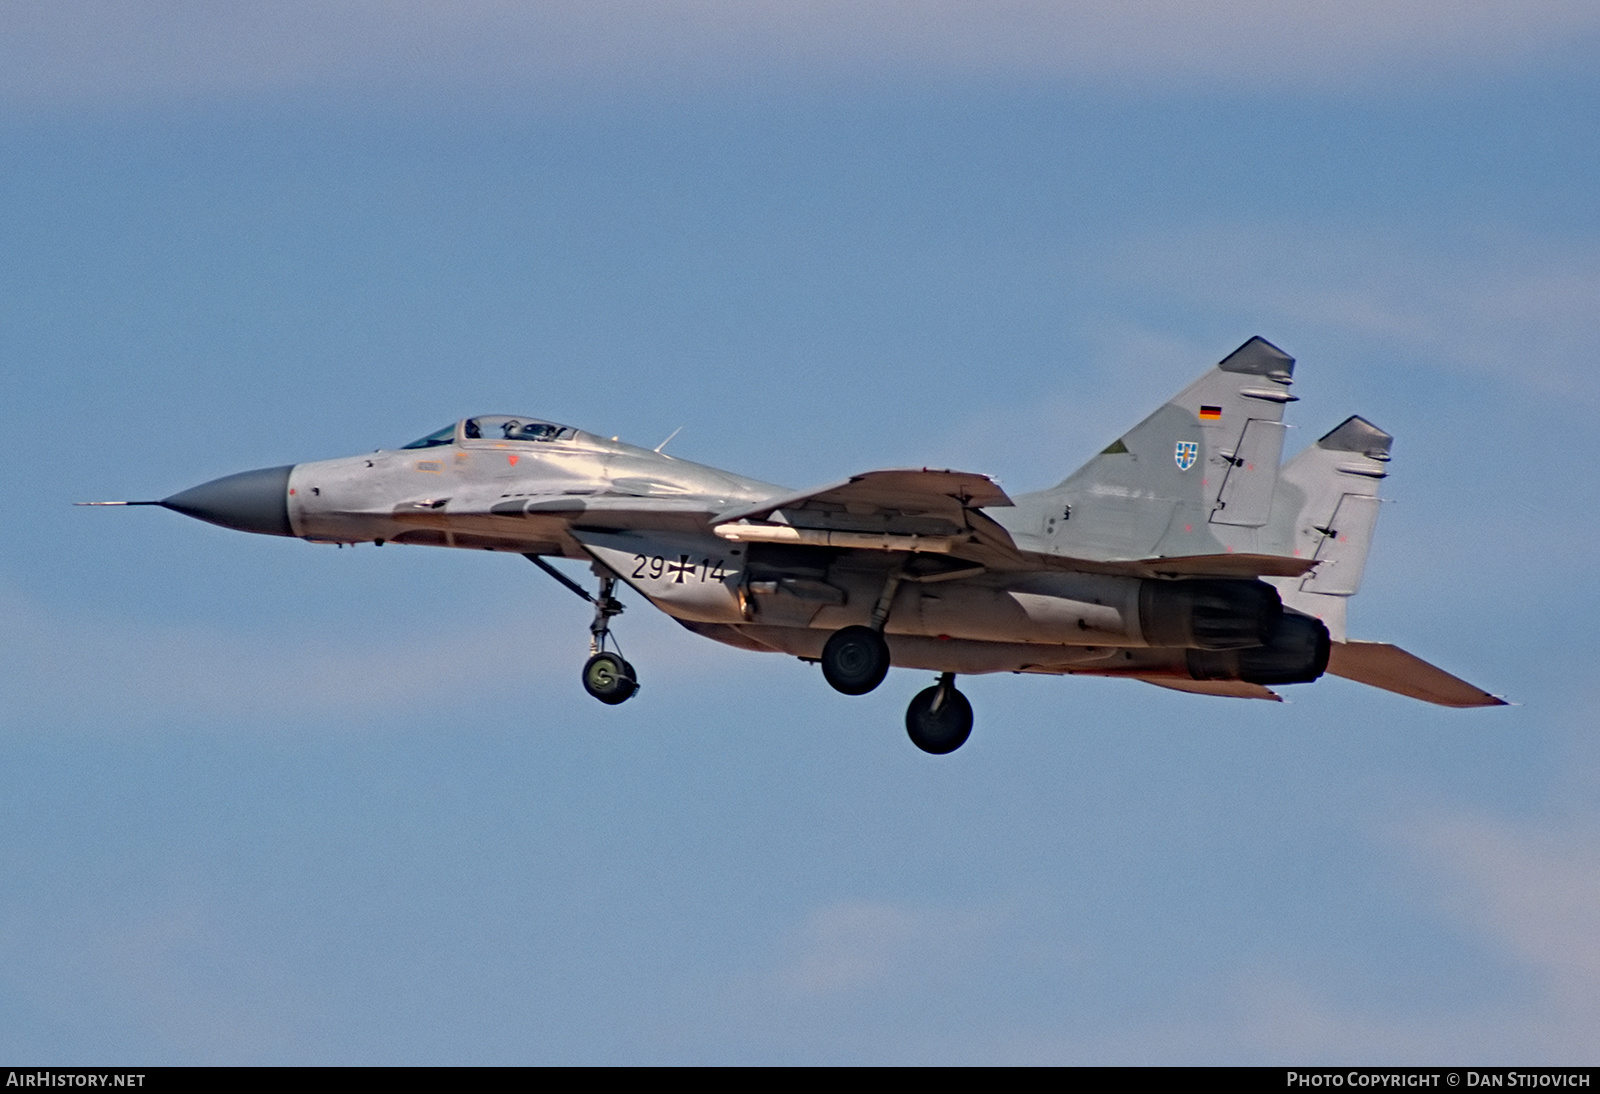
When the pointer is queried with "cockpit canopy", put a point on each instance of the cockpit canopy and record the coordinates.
(497, 428)
(447, 435)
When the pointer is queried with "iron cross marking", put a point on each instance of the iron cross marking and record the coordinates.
(681, 567)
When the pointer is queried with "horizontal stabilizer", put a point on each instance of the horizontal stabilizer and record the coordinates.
(1380, 665)
(1240, 565)
(1233, 689)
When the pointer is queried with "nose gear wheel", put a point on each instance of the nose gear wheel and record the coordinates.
(609, 679)
(606, 675)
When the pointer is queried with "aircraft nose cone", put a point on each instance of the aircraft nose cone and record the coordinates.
(251, 501)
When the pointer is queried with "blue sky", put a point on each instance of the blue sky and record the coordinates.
(270, 802)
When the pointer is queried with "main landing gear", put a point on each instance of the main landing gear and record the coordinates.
(939, 719)
(856, 659)
(606, 675)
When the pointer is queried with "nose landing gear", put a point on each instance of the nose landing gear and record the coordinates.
(939, 719)
(606, 675)
(609, 679)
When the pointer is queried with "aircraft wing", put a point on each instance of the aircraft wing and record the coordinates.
(906, 509)
(875, 495)
(939, 512)
(1380, 665)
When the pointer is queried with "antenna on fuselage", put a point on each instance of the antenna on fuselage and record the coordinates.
(668, 441)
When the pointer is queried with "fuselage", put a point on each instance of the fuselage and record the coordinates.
(521, 485)
(506, 483)
(1185, 553)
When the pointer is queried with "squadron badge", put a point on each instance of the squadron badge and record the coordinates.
(1185, 454)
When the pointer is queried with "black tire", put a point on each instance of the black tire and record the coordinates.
(943, 730)
(609, 679)
(855, 660)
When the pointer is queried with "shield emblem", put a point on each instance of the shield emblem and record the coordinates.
(1185, 454)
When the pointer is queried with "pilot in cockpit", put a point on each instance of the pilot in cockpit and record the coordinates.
(530, 431)
(512, 429)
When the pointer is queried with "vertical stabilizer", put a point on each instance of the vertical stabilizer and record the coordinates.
(1243, 496)
(1188, 480)
(1326, 508)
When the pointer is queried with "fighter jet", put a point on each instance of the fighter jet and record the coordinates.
(1182, 555)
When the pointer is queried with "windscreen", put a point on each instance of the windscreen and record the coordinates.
(447, 435)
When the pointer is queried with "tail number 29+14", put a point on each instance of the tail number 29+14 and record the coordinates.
(685, 568)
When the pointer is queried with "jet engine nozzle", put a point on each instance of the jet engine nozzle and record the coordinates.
(1296, 654)
(1208, 613)
(251, 501)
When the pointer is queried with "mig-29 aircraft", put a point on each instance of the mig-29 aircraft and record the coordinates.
(1182, 555)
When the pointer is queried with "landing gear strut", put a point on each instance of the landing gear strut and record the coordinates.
(939, 719)
(606, 675)
(856, 659)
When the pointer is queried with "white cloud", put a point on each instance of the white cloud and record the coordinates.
(1514, 307)
(71, 49)
(86, 670)
(1527, 891)
(172, 977)
(68, 668)
(854, 945)
(1531, 893)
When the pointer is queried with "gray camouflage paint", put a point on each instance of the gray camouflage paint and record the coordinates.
(1048, 583)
